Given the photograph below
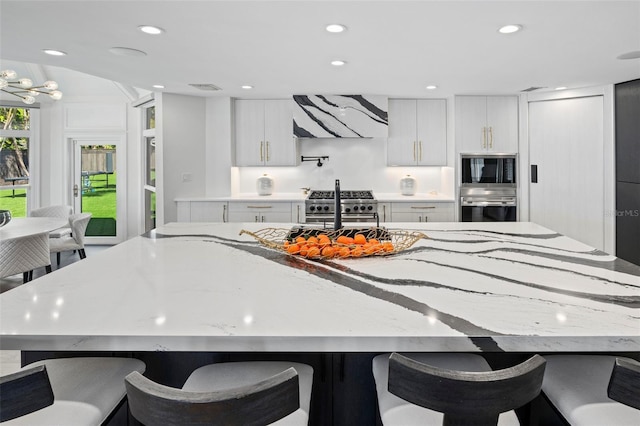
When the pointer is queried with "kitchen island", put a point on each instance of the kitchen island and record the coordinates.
(481, 287)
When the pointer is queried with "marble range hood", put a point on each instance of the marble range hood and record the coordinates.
(340, 116)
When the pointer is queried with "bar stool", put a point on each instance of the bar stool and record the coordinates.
(230, 393)
(452, 388)
(594, 389)
(64, 391)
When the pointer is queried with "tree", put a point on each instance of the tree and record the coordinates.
(17, 119)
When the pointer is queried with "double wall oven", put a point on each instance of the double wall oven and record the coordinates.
(488, 188)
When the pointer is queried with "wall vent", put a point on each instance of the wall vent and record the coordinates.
(532, 88)
(205, 86)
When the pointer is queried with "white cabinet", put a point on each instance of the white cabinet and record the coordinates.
(260, 211)
(486, 123)
(384, 212)
(264, 133)
(417, 132)
(202, 211)
(422, 212)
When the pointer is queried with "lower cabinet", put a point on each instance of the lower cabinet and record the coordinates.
(259, 211)
(202, 211)
(422, 212)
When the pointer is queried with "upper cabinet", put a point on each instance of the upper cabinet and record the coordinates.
(264, 133)
(417, 132)
(486, 123)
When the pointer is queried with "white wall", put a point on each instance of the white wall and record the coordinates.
(181, 128)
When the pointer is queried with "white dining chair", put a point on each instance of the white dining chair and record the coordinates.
(58, 211)
(24, 254)
(66, 391)
(78, 223)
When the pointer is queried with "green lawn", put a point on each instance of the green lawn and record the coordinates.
(97, 199)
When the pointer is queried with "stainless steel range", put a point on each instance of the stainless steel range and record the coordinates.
(355, 206)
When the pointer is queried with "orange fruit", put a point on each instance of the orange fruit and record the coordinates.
(323, 237)
(304, 249)
(359, 239)
(301, 240)
(313, 251)
(343, 239)
(286, 244)
(374, 241)
(344, 252)
(373, 248)
(388, 246)
(328, 252)
(293, 249)
(357, 252)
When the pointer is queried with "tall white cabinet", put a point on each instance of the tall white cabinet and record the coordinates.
(264, 132)
(417, 132)
(486, 124)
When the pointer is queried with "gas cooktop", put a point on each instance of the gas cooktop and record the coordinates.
(344, 195)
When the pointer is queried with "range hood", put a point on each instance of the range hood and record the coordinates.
(340, 116)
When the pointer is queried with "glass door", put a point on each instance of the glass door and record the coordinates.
(97, 189)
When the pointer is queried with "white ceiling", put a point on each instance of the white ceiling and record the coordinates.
(393, 48)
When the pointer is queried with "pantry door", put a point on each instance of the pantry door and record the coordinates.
(99, 187)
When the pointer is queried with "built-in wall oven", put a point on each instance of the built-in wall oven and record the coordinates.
(488, 189)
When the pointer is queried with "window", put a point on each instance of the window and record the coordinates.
(16, 127)
(149, 138)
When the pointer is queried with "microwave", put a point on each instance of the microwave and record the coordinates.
(488, 169)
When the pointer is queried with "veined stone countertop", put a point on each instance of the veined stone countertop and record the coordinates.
(509, 286)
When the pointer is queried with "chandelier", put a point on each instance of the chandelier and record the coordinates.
(24, 88)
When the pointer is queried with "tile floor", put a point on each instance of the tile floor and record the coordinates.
(10, 360)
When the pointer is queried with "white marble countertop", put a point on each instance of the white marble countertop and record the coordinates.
(297, 197)
(508, 286)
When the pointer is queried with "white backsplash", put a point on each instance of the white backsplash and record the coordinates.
(358, 163)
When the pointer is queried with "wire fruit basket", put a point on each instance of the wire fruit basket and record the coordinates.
(316, 243)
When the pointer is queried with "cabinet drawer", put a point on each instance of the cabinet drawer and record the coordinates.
(421, 207)
(259, 207)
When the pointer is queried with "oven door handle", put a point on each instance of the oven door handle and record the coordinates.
(488, 203)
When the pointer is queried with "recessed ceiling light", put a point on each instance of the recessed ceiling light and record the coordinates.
(431, 87)
(247, 87)
(509, 29)
(335, 28)
(158, 86)
(338, 63)
(150, 29)
(630, 55)
(127, 51)
(561, 87)
(53, 52)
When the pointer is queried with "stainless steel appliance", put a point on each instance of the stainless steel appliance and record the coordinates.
(488, 189)
(355, 206)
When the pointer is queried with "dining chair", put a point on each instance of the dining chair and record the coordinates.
(593, 389)
(66, 391)
(78, 223)
(59, 211)
(229, 393)
(24, 254)
(452, 388)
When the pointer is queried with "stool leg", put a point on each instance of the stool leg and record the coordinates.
(48, 269)
(58, 258)
(25, 277)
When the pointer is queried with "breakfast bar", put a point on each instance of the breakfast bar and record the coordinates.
(472, 287)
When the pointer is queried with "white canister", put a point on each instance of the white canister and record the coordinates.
(264, 185)
(408, 185)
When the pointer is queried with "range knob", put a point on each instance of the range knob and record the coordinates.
(370, 208)
(326, 208)
(347, 210)
(312, 208)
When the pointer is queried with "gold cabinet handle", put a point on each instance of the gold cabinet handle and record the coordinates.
(484, 137)
(259, 207)
(423, 207)
(384, 212)
(261, 151)
(298, 206)
(490, 137)
(420, 151)
(268, 156)
(224, 213)
(414, 150)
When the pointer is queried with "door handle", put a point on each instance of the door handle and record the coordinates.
(75, 190)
